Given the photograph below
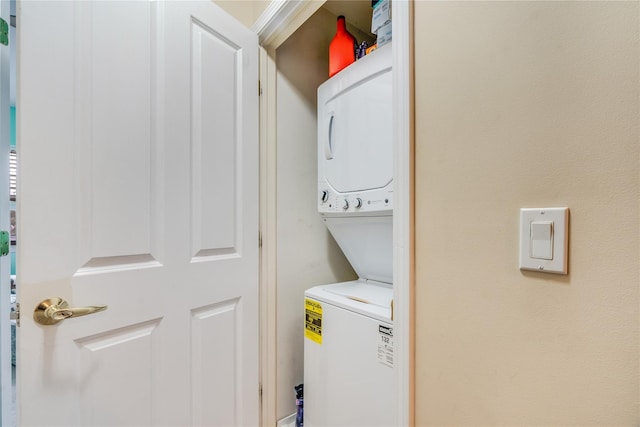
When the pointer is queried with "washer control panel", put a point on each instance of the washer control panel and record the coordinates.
(330, 201)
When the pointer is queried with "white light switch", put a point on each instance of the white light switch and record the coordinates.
(544, 239)
(541, 240)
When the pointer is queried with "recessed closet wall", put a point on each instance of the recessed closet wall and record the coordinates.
(307, 255)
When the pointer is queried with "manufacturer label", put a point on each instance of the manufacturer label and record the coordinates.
(385, 345)
(313, 320)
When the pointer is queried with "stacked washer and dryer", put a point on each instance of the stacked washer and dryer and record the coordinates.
(348, 350)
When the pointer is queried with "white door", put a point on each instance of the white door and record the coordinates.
(137, 129)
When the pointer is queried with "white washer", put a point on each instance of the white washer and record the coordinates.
(348, 352)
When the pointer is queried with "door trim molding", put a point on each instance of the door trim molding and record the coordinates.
(281, 19)
(268, 233)
(403, 224)
(5, 262)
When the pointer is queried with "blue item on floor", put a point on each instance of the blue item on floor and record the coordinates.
(300, 405)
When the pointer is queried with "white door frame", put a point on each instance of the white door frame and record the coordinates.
(403, 224)
(281, 19)
(5, 262)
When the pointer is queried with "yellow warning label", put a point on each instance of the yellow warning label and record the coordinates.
(313, 320)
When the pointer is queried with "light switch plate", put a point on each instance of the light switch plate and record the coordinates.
(559, 219)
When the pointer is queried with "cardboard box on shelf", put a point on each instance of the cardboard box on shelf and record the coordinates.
(384, 34)
(381, 14)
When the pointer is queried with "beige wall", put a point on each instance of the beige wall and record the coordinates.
(306, 253)
(240, 9)
(245, 11)
(526, 104)
(259, 6)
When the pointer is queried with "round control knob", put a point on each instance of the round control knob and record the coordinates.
(325, 196)
(346, 205)
(358, 203)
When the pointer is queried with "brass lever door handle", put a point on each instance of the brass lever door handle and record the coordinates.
(54, 310)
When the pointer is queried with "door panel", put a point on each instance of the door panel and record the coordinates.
(121, 359)
(213, 335)
(114, 142)
(139, 157)
(214, 206)
(115, 92)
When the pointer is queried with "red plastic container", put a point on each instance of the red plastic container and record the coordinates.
(342, 50)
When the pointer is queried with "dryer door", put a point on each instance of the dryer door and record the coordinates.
(355, 135)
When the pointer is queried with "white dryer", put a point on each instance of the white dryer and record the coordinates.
(348, 370)
(355, 163)
(355, 138)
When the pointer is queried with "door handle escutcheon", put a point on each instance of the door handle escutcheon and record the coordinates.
(54, 310)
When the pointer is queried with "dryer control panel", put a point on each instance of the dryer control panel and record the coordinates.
(330, 201)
